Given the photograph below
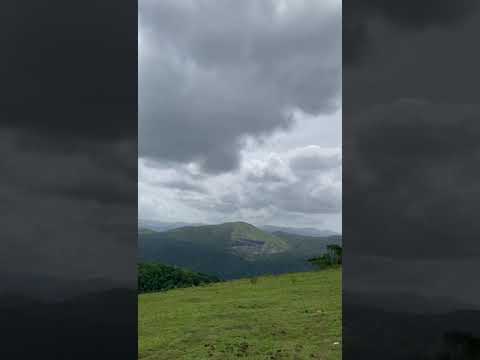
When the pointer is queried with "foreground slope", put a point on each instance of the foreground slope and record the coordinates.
(292, 316)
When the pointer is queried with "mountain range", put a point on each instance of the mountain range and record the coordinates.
(231, 250)
(162, 226)
(165, 226)
(306, 231)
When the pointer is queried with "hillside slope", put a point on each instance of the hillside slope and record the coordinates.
(230, 250)
(308, 246)
(292, 316)
(298, 231)
(237, 238)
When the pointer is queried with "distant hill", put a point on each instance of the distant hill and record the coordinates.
(231, 250)
(308, 245)
(292, 316)
(306, 231)
(159, 226)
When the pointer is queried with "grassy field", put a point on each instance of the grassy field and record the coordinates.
(292, 316)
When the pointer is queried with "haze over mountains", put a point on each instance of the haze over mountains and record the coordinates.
(307, 231)
(231, 250)
(162, 226)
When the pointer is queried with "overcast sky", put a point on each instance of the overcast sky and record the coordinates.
(411, 145)
(240, 112)
(68, 141)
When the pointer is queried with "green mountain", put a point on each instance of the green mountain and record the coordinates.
(237, 238)
(308, 245)
(231, 250)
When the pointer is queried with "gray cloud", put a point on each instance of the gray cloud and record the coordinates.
(417, 168)
(68, 135)
(410, 15)
(99, 105)
(266, 187)
(183, 186)
(312, 158)
(211, 73)
(304, 180)
(298, 197)
(427, 277)
(48, 198)
(416, 14)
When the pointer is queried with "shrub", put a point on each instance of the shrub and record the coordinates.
(159, 277)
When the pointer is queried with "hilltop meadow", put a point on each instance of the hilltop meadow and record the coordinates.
(289, 316)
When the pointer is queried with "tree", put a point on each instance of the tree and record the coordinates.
(335, 253)
(332, 257)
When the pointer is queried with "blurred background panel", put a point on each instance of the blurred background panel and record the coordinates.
(68, 194)
(410, 175)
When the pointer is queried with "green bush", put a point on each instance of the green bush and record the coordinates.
(158, 277)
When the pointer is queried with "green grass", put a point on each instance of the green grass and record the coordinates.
(292, 316)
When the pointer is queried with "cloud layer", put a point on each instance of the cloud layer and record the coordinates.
(68, 140)
(411, 15)
(213, 73)
(301, 184)
(413, 162)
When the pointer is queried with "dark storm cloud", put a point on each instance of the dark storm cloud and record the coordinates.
(68, 141)
(212, 73)
(355, 42)
(67, 215)
(415, 13)
(55, 88)
(428, 277)
(409, 164)
(410, 197)
(88, 171)
(408, 15)
(411, 171)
